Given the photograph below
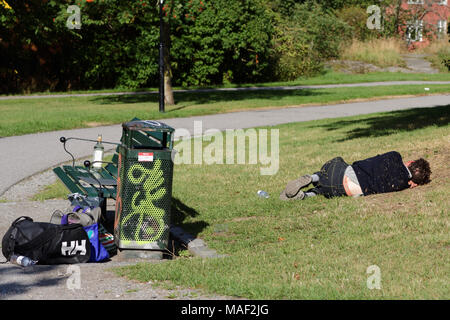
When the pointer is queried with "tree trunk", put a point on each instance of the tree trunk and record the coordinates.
(168, 91)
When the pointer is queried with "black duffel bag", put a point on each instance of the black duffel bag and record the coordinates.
(47, 243)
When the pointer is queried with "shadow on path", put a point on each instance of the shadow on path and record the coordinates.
(392, 122)
(208, 97)
(21, 280)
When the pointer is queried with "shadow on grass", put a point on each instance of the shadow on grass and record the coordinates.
(195, 98)
(180, 211)
(392, 122)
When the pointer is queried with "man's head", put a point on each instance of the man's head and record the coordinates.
(420, 170)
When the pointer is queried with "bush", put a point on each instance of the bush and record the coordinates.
(356, 18)
(221, 39)
(303, 42)
(438, 52)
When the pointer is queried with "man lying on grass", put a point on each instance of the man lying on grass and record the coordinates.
(379, 174)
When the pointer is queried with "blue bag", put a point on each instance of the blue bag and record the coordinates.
(98, 252)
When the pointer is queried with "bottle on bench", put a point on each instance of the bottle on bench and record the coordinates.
(98, 154)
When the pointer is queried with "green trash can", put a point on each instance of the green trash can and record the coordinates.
(144, 194)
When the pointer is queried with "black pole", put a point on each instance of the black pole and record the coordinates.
(161, 57)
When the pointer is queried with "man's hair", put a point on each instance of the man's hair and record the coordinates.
(420, 170)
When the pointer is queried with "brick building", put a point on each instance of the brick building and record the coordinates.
(430, 19)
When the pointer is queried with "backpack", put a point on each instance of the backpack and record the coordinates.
(85, 216)
(46, 243)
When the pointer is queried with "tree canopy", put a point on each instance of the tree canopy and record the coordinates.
(93, 44)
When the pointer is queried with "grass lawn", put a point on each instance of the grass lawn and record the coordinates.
(23, 116)
(318, 248)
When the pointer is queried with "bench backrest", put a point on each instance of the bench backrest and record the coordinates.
(74, 178)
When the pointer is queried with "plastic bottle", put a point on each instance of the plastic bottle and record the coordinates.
(21, 260)
(262, 194)
(98, 154)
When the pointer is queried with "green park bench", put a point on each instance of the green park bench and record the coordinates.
(101, 183)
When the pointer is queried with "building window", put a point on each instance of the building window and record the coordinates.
(414, 31)
(441, 27)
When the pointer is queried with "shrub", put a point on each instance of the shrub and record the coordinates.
(228, 39)
(442, 57)
(438, 52)
(356, 18)
(303, 42)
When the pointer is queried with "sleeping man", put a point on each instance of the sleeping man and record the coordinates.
(380, 174)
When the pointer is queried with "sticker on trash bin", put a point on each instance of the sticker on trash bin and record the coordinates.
(145, 156)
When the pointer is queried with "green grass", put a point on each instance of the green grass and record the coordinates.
(24, 116)
(55, 190)
(318, 248)
(338, 78)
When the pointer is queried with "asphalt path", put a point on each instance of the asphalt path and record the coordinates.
(26, 155)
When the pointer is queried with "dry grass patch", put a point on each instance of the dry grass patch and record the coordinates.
(380, 52)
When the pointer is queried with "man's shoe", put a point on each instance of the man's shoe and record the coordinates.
(293, 187)
(299, 196)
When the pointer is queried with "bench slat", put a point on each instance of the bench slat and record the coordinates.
(144, 139)
(106, 174)
(112, 169)
(91, 190)
(68, 182)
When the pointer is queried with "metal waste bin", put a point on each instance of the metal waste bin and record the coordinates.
(144, 186)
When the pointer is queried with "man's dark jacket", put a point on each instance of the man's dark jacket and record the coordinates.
(382, 173)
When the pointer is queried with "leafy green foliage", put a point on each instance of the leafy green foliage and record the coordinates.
(210, 41)
(117, 44)
(220, 38)
(311, 36)
(356, 18)
(444, 57)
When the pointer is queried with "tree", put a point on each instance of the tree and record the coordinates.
(207, 42)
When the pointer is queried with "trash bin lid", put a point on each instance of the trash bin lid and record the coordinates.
(147, 125)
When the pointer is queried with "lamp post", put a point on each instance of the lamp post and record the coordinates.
(161, 57)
